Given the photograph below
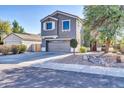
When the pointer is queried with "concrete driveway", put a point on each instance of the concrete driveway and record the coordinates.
(15, 59)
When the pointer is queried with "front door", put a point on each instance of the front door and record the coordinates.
(47, 46)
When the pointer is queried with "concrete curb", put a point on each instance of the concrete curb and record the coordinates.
(110, 71)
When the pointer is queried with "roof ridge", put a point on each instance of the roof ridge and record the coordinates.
(58, 11)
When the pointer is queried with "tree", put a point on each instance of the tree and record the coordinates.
(22, 29)
(17, 28)
(73, 44)
(5, 28)
(86, 36)
(108, 20)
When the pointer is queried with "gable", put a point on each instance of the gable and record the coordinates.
(12, 37)
(64, 14)
(48, 18)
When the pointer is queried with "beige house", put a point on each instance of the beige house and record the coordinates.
(32, 41)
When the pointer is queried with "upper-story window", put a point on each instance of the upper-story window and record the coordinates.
(65, 25)
(49, 25)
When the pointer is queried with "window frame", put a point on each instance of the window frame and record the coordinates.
(64, 30)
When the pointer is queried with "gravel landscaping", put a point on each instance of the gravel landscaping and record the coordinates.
(96, 59)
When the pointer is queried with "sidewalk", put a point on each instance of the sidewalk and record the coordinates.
(110, 71)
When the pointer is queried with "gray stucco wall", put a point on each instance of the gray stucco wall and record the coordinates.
(79, 32)
(51, 32)
(66, 34)
(58, 27)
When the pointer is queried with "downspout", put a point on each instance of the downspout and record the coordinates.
(58, 26)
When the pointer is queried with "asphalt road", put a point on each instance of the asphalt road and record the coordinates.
(34, 77)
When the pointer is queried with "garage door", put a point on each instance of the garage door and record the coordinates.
(59, 46)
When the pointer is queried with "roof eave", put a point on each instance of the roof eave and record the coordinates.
(48, 17)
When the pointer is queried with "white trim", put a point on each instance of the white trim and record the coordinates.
(59, 39)
(69, 25)
(52, 36)
(43, 49)
(44, 26)
(47, 18)
(63, 14)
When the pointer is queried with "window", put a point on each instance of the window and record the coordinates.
(49, 25)
(66, 25)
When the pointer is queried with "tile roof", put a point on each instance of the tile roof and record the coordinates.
(27, 36)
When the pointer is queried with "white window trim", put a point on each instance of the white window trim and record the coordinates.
(46, 25)
(52, 36)
(69, 25)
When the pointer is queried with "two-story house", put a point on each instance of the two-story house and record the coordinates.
(57, 29)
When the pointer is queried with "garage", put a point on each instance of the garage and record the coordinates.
(58, 46)
(32, 41)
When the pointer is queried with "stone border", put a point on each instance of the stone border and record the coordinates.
(110, 71)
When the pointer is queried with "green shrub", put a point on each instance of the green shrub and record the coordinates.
(73, 43)
(114, 51)
(122, 47)
(1, 47)
(5, 50)
(83, 49)
(22, 48)
(1, 42)
(116, 46)
(15, 49)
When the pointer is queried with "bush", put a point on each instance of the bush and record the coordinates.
(22, 48)
(15, 49)
(83, 49)
(73, 43)
(1, 42)
(114, 51)
(116, 46)
(1, 48)
(122, 47)
(5, 50)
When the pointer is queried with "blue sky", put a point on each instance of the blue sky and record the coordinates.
(29, 16)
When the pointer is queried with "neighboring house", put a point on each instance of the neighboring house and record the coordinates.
(58, 29)
(32, 41)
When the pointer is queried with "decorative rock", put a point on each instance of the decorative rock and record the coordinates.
(85, 57)
(97, 59)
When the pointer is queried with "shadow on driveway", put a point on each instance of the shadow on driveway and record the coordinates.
(31, 77)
